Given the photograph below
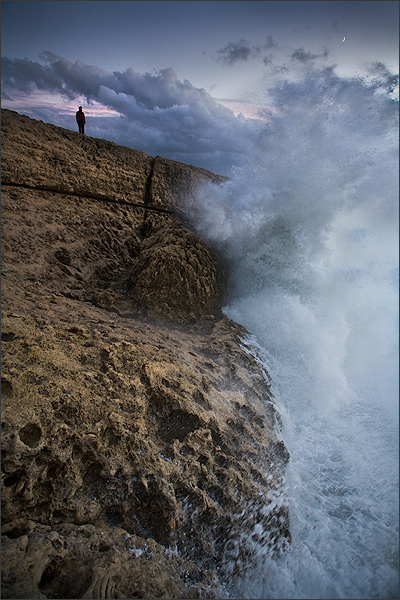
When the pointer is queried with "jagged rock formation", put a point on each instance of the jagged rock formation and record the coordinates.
(139, 451)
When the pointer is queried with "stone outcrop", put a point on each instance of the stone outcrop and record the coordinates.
(140, 457)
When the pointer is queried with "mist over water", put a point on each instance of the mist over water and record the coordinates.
(308, 228)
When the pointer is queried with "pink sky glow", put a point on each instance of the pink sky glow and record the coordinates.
(40, 99)
(25, 103)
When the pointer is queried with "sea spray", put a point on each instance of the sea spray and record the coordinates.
(309, 231)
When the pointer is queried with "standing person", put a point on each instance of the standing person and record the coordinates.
(80, 119)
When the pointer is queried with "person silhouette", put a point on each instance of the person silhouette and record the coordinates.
(80, 119)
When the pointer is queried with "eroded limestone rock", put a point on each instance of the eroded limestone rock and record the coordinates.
(177, 276)
(84, 561)
(140, 455)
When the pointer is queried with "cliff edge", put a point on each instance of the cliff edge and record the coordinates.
(140, 457)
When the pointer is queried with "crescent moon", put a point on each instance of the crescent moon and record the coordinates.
(343, 40)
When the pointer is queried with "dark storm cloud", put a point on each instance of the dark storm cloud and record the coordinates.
(242, 51)
(22, 73)
(235, 52)
(159, 113)
(267, 60)
(304, 57)
(270, 43)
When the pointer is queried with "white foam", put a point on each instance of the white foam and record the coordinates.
(309, 230)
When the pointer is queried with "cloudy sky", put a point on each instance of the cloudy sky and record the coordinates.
(181, 79)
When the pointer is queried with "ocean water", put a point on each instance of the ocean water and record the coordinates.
(308, 228)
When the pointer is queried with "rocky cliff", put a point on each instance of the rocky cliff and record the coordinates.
(139, 449)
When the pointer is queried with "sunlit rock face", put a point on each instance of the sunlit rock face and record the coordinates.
(139, 444)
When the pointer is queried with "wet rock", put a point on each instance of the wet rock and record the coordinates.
(85, 561)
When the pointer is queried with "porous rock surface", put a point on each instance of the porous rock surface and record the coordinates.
(140, 457)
